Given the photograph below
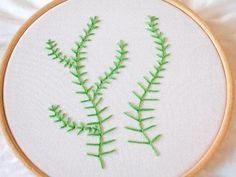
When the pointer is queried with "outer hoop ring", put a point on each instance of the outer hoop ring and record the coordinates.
(189, 173)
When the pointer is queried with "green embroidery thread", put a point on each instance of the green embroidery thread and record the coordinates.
(138, 109)
(58, 116)
(92, 94)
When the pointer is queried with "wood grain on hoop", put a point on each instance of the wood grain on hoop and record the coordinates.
(191, 172)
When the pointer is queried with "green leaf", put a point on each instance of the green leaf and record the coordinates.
(146, 109)
(135, 107)
(110, 130)
(133, 129)
(93, 123)
(98, 102)
(142, 86)
(81, 92)
(85, 101)
(93, 144)
(108, 152)
(156, 138)
(94, 134)
(80, 131)
(151, 99)
(147, 118)
(137, 95)
(92, 115)
(102, 110)
(92, 154)
(147, 80)
(152, 74)
(107, 118)
(131, 116)
(150, 127)
(138, 142)
(108, 142)
(75, 74)
(153, 91)
(89, 107)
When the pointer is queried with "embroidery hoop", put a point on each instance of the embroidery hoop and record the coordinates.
(229, 83)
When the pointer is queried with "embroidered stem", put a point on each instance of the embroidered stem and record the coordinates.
(66, 123)
(92, 105)
(106, 78)
(147, 88)
(92, 97)
(96, 114)
(56, 54)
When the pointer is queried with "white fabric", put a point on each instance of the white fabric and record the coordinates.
(211, 170)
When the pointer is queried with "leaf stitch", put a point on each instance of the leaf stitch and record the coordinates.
(114, 70)
(58, 116)
(148, 88)
(56, 54)
(92, 97)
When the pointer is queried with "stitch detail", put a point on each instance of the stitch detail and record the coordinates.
(138, 109)
(92, 97)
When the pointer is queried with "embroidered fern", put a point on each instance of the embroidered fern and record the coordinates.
(56, 54)
(92, 94)
(114, 70)
(66, 123)
(148, 89)
(93, 105)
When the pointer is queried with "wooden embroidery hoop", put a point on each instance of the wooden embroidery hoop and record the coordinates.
(191, 172)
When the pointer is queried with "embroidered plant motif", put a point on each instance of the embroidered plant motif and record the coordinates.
(139, 110)
(92, 95)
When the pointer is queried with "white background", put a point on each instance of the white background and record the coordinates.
(221, 18)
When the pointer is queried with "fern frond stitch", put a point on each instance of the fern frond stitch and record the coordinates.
(148, 89)
(56, 54)
(108, 76)
(94, 106)
(92, 97)
(66, 123)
